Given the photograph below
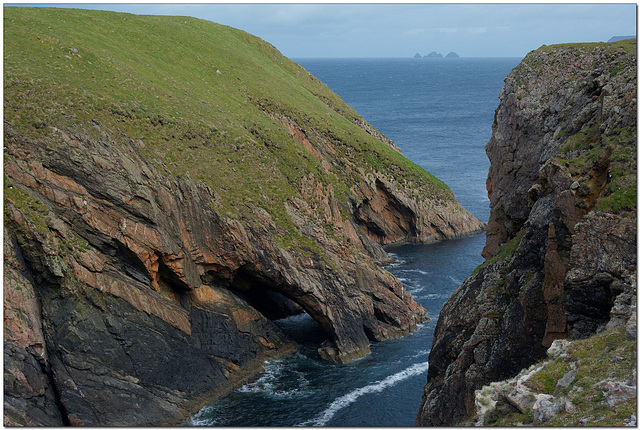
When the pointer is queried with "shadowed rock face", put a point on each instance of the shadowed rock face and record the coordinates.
(123, 275)
(560, 255)
(133, 296)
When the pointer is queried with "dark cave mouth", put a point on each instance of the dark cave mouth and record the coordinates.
(288, 315)
(303, 329)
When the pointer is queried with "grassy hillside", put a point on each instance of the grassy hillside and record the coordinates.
(200, 99)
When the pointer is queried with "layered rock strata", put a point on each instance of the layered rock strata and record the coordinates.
(142, 274)
(561, 238)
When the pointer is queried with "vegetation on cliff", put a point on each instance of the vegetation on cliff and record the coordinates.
(171, 187)
(561, 237)
(588, 382)
(202, 99)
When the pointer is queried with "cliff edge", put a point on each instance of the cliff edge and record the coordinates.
(561, 238)
(171, 187)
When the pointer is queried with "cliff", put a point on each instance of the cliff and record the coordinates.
(171, 187)
(561, 238)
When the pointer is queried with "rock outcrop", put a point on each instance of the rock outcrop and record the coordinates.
(433, 54)
(561, 237)
(584, 382)
(161, 209)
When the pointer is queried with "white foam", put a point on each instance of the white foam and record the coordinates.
(421, 353)
(270, 382)
(422, 272)
(199, 420)
(398, 261)
(376, 387)
(455, 280)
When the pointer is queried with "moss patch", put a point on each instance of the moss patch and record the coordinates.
(608, 356)
(507, 250)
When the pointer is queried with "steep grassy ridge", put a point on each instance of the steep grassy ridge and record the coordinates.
(202, 98)
(171, 187)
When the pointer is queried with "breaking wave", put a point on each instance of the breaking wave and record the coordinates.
(202, 417)
(347, 399)
(277, 380)
(422, 272)
(398, 261)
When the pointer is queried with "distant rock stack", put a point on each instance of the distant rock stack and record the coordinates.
(435, 54)
(618, 38)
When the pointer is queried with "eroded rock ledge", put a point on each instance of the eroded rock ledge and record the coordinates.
(561, 237)
(113, 266)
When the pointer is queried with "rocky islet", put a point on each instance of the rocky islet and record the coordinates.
(435, 54)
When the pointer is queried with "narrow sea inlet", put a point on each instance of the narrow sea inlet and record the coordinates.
(439, 112)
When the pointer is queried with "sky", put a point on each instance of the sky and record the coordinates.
(375, 30)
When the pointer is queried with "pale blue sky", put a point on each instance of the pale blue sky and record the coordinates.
(400, 30)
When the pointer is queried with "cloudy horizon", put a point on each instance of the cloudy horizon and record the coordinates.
(305, 30)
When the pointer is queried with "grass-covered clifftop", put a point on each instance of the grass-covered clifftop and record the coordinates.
(588, 382)
(610, 136)
(171, 186)
(202, 99)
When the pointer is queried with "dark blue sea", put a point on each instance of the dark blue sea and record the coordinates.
(439, 112)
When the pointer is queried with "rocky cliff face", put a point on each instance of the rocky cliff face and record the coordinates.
(155, 226)
(561, 238)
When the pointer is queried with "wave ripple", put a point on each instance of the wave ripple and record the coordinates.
(376, 387)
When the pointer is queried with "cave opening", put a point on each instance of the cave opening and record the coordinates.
(278, 307)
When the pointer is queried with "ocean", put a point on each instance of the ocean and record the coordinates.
(439, 113)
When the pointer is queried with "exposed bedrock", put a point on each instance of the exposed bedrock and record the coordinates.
(561, 237)
(388, 215)
(118, 276)
(163, 207)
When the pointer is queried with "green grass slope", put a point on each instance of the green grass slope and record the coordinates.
(201, 99)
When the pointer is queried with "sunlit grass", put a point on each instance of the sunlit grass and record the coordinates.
(205, 101)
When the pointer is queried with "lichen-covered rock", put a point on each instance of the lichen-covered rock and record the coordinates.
(561, 237)
(548, 407)
(558, 102)
(589, 381)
